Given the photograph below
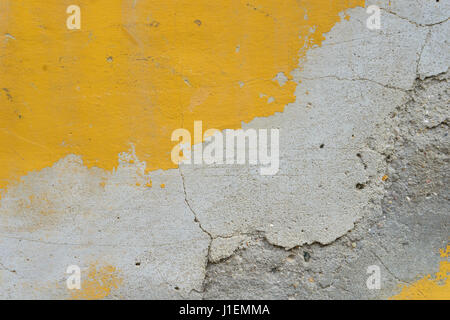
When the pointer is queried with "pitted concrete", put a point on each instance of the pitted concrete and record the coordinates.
(400, 239)
(369, 104)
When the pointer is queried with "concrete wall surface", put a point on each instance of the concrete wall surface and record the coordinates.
(119, 179)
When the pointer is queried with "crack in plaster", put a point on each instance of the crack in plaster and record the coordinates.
(413, 22)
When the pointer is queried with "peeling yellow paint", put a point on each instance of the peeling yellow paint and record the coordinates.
(133, 74)
(99, 283)
(435, 287)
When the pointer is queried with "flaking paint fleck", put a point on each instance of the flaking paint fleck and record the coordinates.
(136, 71)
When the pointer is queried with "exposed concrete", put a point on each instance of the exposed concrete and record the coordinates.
(435, 55)
(401, 239)
(317, 196)
(419, 12)
(222, 248)
(362, 112)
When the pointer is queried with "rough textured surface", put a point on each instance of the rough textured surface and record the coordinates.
(363, 180)
(158, 249)
(401, 238)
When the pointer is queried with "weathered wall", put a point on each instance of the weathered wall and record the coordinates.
(85, 137)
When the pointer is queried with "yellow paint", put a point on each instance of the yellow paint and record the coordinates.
(385, 177)
(435, 287)
(136, 72)
(445, 253)
(99, 283)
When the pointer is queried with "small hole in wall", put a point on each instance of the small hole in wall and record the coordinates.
(177, 288)
(321, 146)
(306, 256)
(360, 186)
(137, 264)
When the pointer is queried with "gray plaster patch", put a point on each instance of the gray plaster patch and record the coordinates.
(403, 239)
(222, 248)
(70, 215)
(321, 189)
(435, 57)
(388, 56)
(360, 114)
(420, 12)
